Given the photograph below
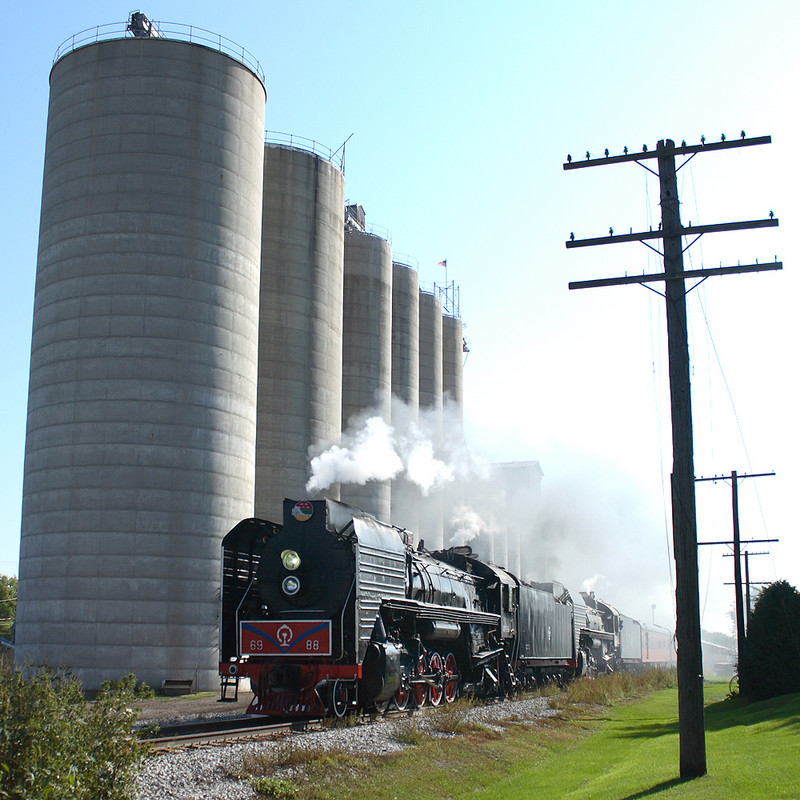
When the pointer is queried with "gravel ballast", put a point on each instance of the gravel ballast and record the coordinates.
(206, 773)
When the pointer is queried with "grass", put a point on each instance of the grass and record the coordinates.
(597, 746)
(632, 752)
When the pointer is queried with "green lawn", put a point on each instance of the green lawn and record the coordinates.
(632, 752)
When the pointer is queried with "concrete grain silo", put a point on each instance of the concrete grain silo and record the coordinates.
(405, 381)
(430, 351)
(430, 404)
(142, 399)
(367, 350)
(454, 495)
(405, 334)
(453, 360)
(300, 334)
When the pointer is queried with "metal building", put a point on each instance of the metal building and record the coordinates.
(521, 483)
(367, 349)
(300, 334)
(141, 411)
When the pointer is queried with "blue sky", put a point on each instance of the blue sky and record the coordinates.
(462, 115)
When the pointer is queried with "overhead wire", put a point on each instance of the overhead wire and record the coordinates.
(709, 338)
(701, 294)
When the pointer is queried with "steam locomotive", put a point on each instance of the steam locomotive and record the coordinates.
(334, 610)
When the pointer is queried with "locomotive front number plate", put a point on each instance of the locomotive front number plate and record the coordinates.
(297, 637)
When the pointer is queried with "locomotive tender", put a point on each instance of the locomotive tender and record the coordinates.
(334, 610)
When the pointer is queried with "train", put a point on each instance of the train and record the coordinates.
(333, 611)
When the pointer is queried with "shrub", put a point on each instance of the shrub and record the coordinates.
(770, 657)
(55, 744)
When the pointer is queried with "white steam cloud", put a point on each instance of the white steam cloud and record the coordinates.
(411, 447)
(467, 525)
(369, 454)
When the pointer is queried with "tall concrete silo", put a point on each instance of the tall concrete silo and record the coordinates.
(454, 495)
(141, 409)
(300, 335)
(367, 351)
(430, 351)
(430, 404)
(405, 334)
(453, 360)
(405, 382)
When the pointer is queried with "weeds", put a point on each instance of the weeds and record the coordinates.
(347, 721)
(452, 719)
(288, 756)
(409, 732)
(546, 690)
(607, 690)
(276, 788)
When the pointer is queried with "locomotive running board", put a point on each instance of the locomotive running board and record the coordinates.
(444, 613)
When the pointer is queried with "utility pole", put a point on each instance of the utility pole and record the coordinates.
(747, 582)
(737, 555)
(684, 518)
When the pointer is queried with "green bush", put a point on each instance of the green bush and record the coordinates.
(770, 657)
(56, 745)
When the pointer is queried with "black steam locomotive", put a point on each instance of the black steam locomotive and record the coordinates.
(334, 610)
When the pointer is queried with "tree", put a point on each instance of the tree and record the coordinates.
(8, 605)
(770, 658)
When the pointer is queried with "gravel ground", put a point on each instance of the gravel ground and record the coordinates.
(204, 773)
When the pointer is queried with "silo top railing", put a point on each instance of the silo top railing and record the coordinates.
(175, 31)
(310, 145)
(406, 261)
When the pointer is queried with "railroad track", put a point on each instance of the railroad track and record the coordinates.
(199, 733)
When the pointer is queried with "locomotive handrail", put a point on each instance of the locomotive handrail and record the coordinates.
(238, 608)
(341, 618)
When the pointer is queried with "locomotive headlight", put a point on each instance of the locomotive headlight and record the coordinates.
(290, 585)
(290, 560)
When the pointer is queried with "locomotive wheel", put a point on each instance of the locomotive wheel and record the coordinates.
(451, 679)
(381, 706)
(435, 666)
(339, 698)
(401, 698)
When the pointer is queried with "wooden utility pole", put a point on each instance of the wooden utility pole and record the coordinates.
(684, 519)
(737, 557)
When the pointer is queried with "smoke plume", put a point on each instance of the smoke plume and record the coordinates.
(413, 446)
